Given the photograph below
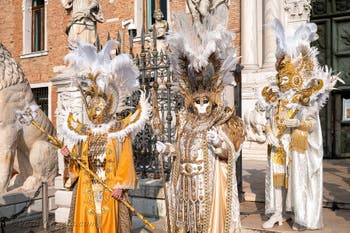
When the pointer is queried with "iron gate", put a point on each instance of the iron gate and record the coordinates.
(156, 79)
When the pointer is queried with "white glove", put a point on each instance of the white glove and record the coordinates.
(292, 123)
(213, 137)
(271, 139)
(161, 147)
(275, 89)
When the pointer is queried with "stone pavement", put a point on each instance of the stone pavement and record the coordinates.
(336, 182)
(336, 211)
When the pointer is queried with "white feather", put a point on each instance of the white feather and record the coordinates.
(199, 43)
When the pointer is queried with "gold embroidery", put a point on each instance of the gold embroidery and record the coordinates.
(104, 209)
(280, 180)
(75, 125)
(299, 141)
(279, 156)
(88, 191)
(91, 211)
(269, 95)
(305, 126)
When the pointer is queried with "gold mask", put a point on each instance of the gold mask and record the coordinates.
(96, 110)
(288, 77)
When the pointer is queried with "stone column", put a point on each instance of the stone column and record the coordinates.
(271, 11)
(68, 97)
(297, 12)
(249, 35)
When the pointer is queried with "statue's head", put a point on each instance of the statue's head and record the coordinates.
(158, 15)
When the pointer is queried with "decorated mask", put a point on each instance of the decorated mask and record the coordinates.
(96, 110)
(288, 77)
(202, 105)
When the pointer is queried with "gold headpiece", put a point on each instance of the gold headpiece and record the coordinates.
(296, 72)
(204, 63)
(104, 83)
(299, 74)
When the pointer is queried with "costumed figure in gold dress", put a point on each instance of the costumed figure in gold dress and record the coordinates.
(203, 188)
(293, 133)
(103, 142)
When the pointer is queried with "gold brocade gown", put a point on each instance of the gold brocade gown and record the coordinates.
(203, 188)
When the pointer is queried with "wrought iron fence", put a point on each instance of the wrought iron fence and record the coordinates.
(156, 79)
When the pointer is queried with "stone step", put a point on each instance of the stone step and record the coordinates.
(12, 202)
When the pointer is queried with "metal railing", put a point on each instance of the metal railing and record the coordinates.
(45, 208)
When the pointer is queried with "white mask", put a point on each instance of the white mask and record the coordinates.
(202, 108)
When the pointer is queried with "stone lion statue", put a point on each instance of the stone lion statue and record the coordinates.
(255, 121)
(26, 157)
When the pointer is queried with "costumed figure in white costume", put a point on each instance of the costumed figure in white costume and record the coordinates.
(293, 132)
(103, 142)
(203, 188)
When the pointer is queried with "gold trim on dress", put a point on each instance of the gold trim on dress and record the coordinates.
(280, 180)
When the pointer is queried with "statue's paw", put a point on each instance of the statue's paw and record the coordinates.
(261, 138)
(31, 183)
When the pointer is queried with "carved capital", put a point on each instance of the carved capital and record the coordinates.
(298, 8)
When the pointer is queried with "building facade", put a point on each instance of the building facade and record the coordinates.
(34, 32)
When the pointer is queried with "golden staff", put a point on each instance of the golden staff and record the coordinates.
(158, 127)
(59, 144)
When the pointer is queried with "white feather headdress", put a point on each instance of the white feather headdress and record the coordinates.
(103, 78)
(118, 75)
(202, 55)
(318, 81)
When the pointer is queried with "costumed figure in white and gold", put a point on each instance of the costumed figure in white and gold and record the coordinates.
(203, 188)
(293, 132)
(103, 142)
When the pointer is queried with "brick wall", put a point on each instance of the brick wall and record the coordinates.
(40, 69)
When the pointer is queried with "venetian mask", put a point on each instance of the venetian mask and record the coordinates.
(96, 111)
(202, 105)
(288, 77)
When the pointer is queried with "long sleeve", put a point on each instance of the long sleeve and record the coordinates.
(73, 167)
(125, 175)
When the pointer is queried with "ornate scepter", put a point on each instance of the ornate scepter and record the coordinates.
(158, 127)
(26, 118)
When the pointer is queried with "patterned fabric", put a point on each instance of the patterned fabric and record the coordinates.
(203, 193)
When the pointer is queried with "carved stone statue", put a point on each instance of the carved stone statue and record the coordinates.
(162, 27)
(203, 8)
(85, 15)
(255, 121)
(160, 24)
(25, 154)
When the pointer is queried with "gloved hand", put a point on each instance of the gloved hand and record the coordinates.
(275, 89)
(65, 151)
(271, 139)
(213, 137)
(292, 123)
(161, 147)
